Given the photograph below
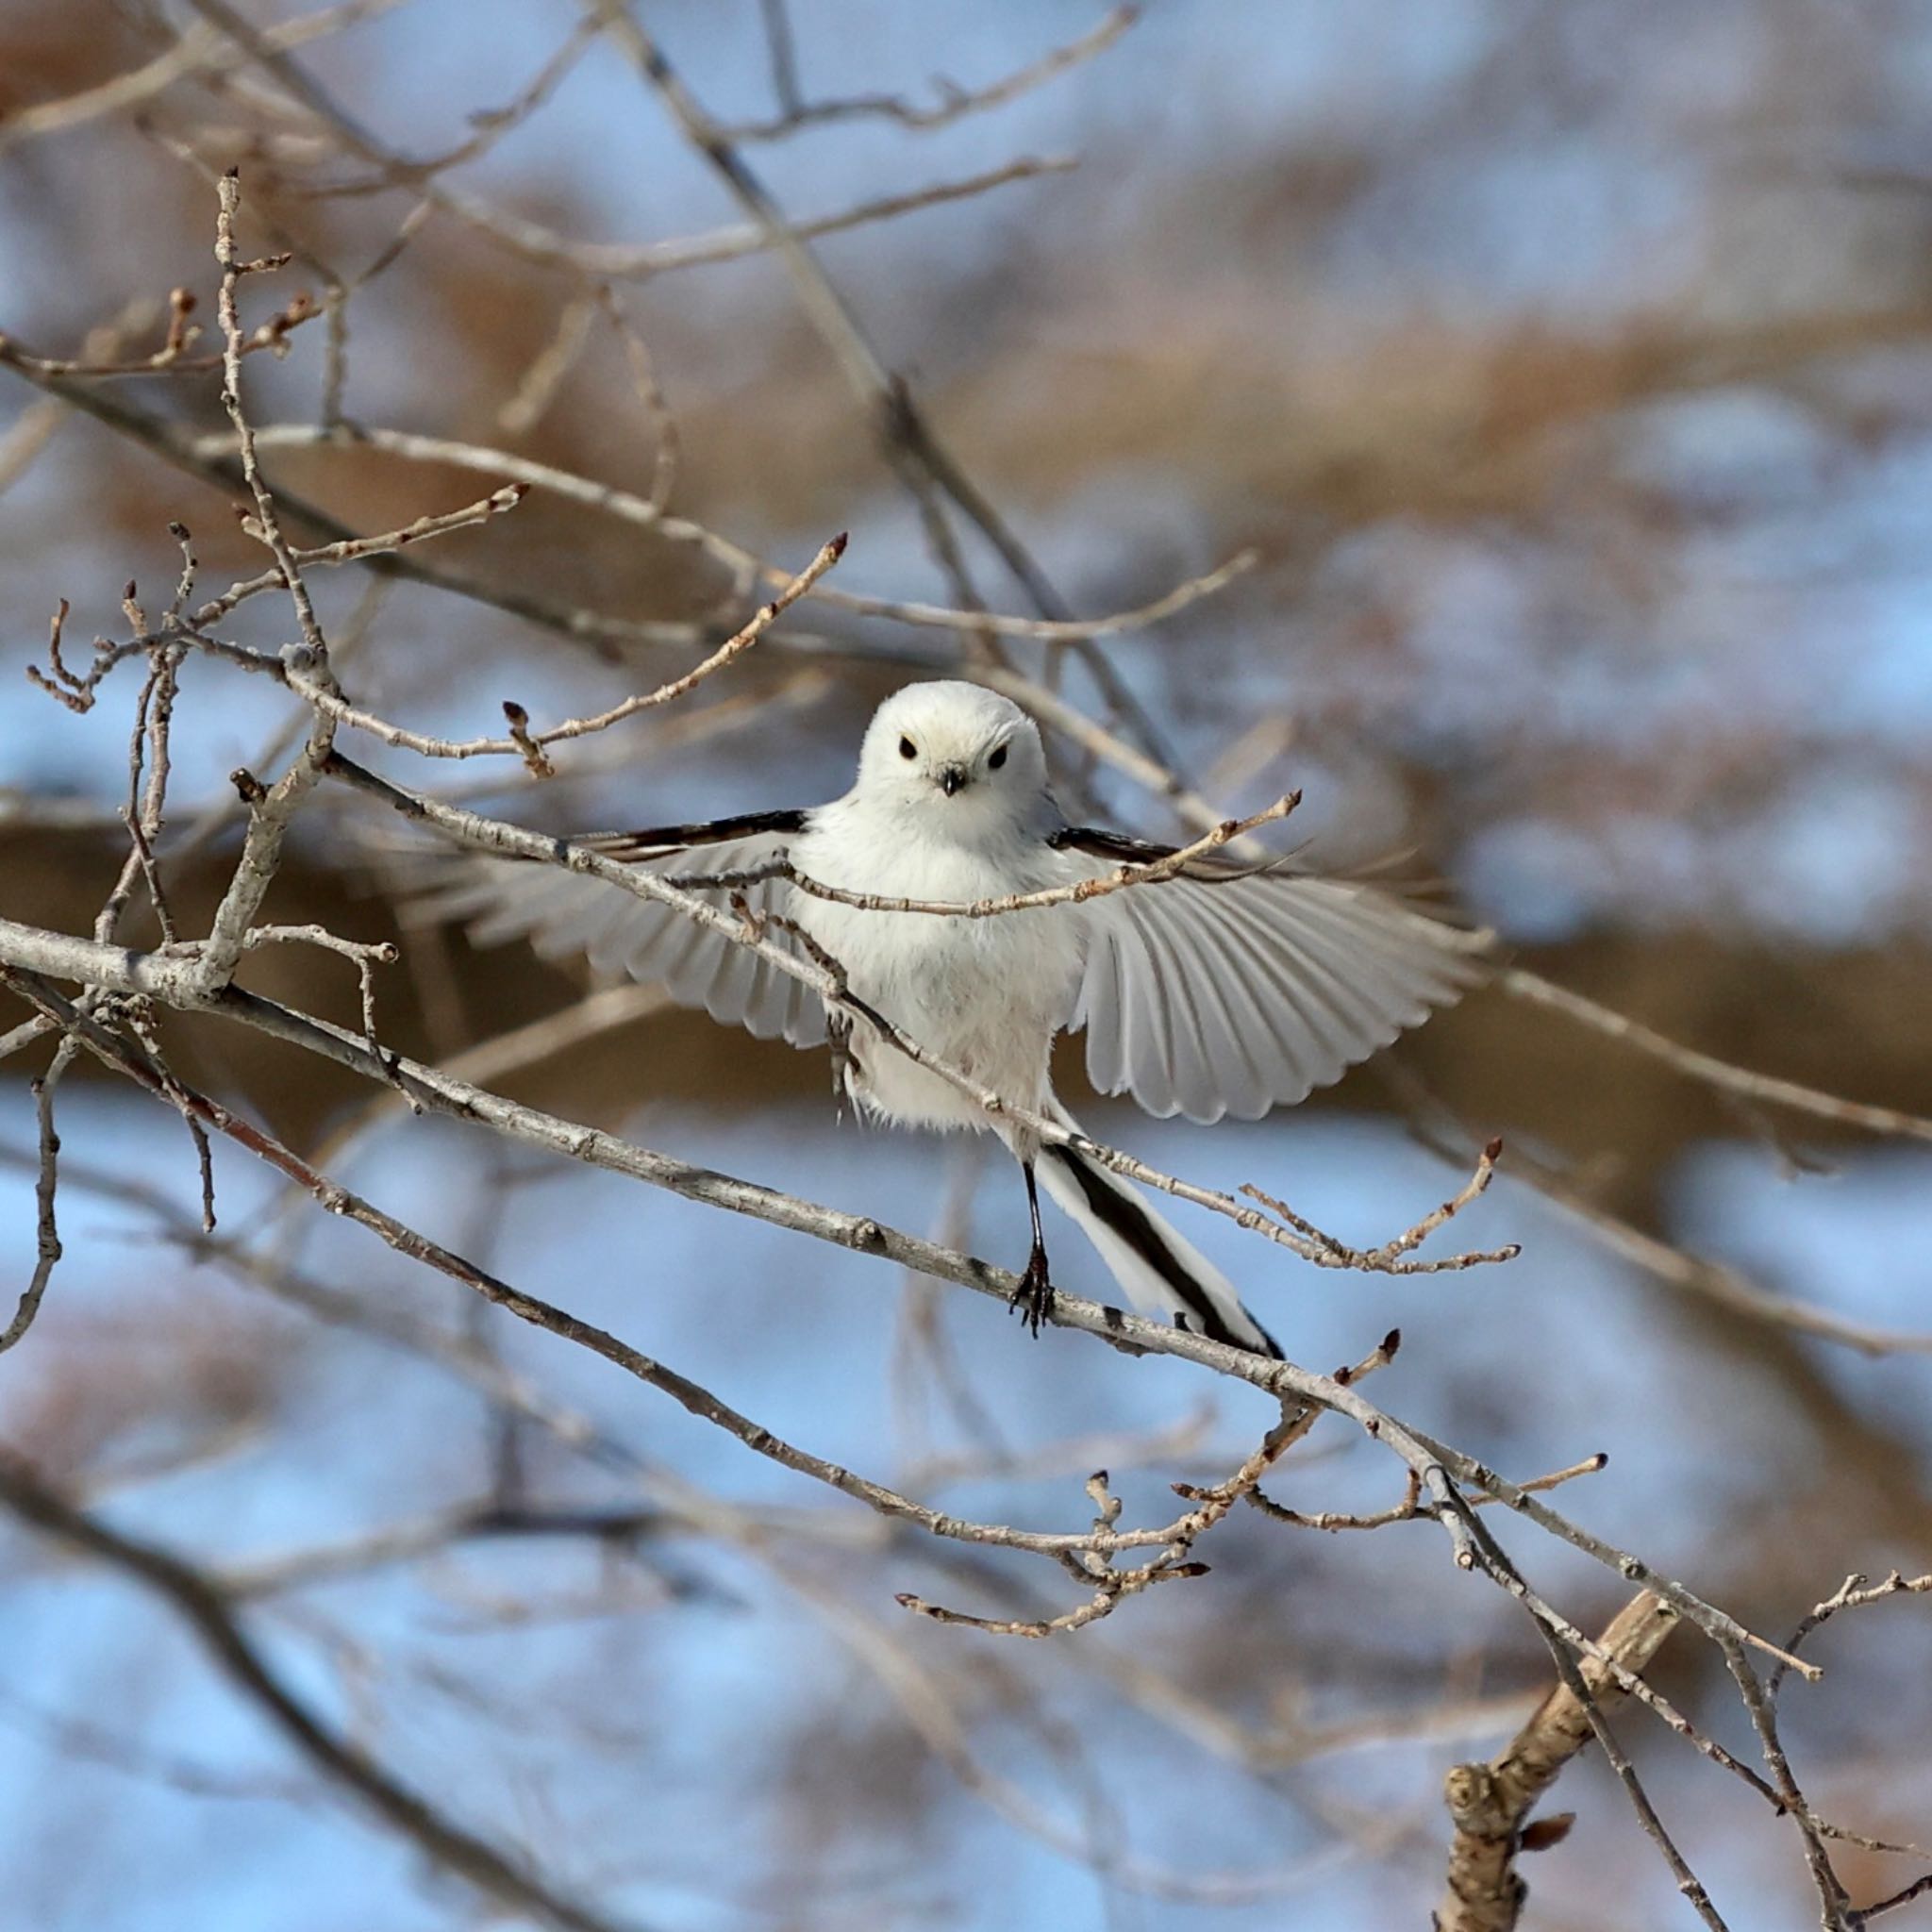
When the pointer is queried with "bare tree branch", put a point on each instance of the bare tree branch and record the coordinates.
(211, 1617)
(1489, 1804)
(955, 102)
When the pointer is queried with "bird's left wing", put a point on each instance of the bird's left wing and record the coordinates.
(563, 914)
(1227, 991)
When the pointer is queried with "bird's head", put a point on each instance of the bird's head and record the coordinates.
(957, 749)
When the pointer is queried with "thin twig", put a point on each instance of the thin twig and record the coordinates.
(1094, 1565)
(1411, 1506)
(954, 103)
(46, 1191)
(744, 564)
(1560, 1641)
(197, 49)
(269, 814)
(1835, 1905)
(1151, 872)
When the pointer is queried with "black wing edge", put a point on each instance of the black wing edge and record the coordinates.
(1115, 845)
(1121, 848)
(659, 838)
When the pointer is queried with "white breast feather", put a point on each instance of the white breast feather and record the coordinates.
(985, 994)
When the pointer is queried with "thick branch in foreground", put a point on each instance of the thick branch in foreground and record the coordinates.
(1490, 1803)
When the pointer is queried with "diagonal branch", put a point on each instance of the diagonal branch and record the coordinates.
(1706, 1067)
(924, 466)
(211, 1615)
(1437, 1467)
(954, 103)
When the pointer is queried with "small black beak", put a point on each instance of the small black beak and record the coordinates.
(951, 778)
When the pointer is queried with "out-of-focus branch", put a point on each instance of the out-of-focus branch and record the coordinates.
(954, 104)
(634, 262)
(1442, 1130)
(744, 565)
(528, 745)
(487, 126)
(20, 445)
(923, 465)
(211, 1616)
(535, 242)
(1706, 1067)
(1490, 1803)
(199, 48)
(209, 459)
(178, 445)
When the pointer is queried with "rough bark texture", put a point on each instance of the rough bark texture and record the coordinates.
(1490, 1803)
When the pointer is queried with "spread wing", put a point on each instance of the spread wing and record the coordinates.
(1223, 991)
(563, 914)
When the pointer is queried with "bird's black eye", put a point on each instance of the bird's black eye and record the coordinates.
(998, 760)
(908, 749)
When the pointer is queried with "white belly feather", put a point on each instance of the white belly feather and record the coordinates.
(986, 995)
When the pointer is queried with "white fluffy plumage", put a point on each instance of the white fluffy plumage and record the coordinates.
(1217, 992)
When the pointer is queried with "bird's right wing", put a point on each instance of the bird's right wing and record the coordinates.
(1231, 990)
(565, 913)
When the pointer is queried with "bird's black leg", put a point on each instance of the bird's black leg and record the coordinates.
(844, 1061)
(1033, 1297)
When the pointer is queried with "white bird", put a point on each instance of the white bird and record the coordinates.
(1220, 991)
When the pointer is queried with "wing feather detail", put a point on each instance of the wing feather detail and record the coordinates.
(1229, 992)
(563, 914)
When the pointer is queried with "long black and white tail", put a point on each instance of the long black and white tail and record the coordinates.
(1162, 1273)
